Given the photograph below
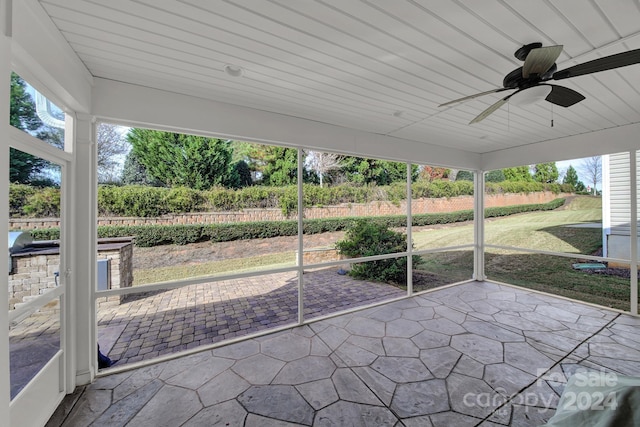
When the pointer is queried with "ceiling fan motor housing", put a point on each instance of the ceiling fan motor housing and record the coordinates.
(514, 79)
(522, 53)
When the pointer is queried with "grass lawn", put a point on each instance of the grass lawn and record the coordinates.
(538, 230)
(555, 275)
(211, 268)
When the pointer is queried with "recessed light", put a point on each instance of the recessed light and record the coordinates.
(234, 70)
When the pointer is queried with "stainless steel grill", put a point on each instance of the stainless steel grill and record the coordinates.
(18, 240)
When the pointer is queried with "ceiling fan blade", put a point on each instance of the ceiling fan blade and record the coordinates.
(601, 64)
(466, 98)
(563, 96)
(539, 60)
(486, 113)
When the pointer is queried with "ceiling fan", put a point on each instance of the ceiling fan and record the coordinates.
(539, 67)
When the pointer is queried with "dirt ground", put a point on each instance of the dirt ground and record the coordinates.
(168, 255)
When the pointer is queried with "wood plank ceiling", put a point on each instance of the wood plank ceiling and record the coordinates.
(379, 66)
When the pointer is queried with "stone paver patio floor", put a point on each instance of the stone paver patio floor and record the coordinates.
(144, 326)
(474, 354)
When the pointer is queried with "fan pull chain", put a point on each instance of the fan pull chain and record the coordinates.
(551, 115)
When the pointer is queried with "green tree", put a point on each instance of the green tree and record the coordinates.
(464, 175)
(494, 176)
(22, 112)
(184, 160)
(519, 173)
(374, 171)
(135, 173)
(242, 171)
(280, 165)
(23, 167)
(546, 173)
(571, 178)
(249, 153)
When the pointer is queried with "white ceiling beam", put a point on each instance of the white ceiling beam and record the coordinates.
(135, 105)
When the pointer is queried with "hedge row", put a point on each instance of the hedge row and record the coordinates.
(155, 235)
(142, 201)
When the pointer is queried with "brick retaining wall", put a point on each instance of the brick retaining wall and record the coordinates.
(377, 208)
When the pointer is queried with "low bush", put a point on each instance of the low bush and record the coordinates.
(182, 199)
(514, 209)
(221, 199)
(46, 233)
(368, 238)
(18, 195)
(525, 187)
(43, 203)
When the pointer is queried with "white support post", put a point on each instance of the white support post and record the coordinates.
(633, 243)
(82, 308)
(300, 239)
(606, 203)
(409, 235)
(5, 94)
(478, 225)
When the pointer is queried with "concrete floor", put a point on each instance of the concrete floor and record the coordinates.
(475, 354)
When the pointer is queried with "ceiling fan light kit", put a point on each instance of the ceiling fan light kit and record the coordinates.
(529, 81)
(531, 96)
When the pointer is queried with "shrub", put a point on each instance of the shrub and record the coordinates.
(18, 195)
(45, 233)
(168, 234)
(182, 199)
(289, 200)
(511, 210)
(132, 200)
(219, 199)
(258, 197)
(368, 238)
(524, 187)
(464, 175)
(43, 203)
(494, 176)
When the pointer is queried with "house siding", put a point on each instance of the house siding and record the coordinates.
(620, 194)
